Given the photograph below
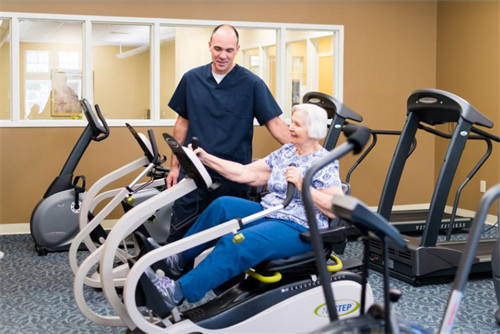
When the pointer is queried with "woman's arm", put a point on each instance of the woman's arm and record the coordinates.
(255, 174)
(321, 197)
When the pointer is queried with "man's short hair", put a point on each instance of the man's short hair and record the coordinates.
(316, 119)
(230, 26)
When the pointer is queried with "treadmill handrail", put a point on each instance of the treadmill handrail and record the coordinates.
(469, 177)
(374, 134)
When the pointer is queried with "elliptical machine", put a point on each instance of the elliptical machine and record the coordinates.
(54, 221)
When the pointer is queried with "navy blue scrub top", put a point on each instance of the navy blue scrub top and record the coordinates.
(221, 115)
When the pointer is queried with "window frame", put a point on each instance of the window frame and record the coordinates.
(155, 24)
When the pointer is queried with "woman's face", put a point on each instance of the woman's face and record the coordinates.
(298, 128)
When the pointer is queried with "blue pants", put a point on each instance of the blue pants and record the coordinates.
(265, 239)
(187, 208)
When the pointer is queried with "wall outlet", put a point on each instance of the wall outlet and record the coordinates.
(482, 186)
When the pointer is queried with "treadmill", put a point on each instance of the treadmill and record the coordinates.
(413, 221)
(426, 261)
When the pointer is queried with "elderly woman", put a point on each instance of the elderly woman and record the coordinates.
(273, 237)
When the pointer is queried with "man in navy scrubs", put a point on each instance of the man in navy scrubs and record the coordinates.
(217, 103)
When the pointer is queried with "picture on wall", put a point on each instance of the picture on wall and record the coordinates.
(66, 92)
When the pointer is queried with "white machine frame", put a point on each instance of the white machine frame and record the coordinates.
(274, 319)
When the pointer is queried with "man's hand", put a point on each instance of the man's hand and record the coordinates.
(173, 175)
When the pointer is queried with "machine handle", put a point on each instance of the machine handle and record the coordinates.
(195, 143)
(289, 190)
(103, 121)
(358, 136)
(154, 146)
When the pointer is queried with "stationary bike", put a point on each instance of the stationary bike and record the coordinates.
(54, 221)
(288, 301)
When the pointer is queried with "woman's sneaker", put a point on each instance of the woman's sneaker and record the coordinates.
(170, 292)
(173, 270)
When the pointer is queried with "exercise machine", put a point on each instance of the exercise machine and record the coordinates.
(413, 221)
(380, 318)
(427, 261)
(290, 304)
(54, 221)
(157, 224)
(338, 112)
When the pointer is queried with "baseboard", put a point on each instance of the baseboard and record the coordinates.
(108, 224)
(24, 228)
(14, 229)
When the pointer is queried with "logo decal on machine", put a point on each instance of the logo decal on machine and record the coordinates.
(344, 307)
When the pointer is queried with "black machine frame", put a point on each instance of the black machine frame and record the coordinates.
(426, 261)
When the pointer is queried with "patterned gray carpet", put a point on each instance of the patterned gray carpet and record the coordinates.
(36, 296)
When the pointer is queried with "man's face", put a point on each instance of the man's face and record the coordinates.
(224, 47)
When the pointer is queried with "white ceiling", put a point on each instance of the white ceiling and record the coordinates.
(102, 34)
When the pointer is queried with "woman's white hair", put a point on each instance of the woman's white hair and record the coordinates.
(316, 119)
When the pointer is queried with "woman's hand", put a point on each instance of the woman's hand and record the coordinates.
(294, 176)
(201, 153)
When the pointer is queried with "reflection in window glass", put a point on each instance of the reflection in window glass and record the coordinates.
(51, 80)
(184, 48)
(69, 60)
(37, 61)
(5, 91)
(121, 66)
(309, 65)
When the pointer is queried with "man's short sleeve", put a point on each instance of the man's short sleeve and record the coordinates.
(265, 106)
(178, 102)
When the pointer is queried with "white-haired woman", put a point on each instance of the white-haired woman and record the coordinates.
(273, 237)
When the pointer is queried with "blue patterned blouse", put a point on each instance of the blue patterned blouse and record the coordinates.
(278, 161)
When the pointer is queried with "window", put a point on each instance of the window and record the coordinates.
(5, 69)
(121, 69)
(309, 65)
(37, 61)
(131, 66)
(51, 83)
(69, 60)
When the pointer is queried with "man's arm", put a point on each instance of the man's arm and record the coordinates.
(279, 130)
(180, 133)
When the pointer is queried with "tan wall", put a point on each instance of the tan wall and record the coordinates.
(121, 86)
(468, 64)
(168, 80)
(382, 67)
